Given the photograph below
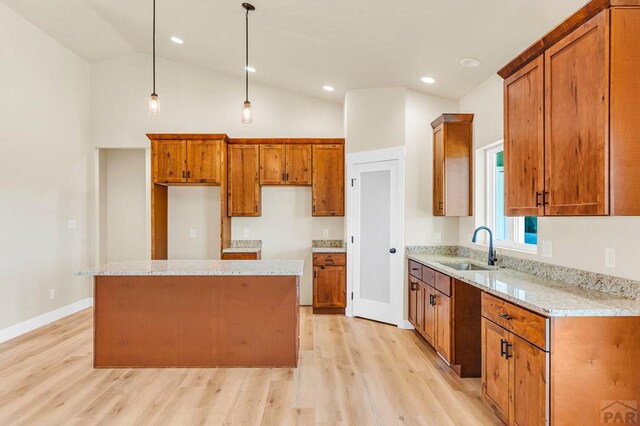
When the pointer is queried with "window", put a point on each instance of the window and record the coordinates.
(510, 232)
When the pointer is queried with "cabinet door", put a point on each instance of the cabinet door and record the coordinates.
(244, 184)
(443, 325)
(272, 164)
(420, 307)
(430, 315)
(328, 180)
(413, 299)
(524, 141)
(438, 171)
(529, 377)
(203, 161)
(495, 368)
(329, 287)
(576, 129)
(169, 161)
(298, 165)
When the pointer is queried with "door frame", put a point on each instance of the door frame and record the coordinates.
(388, 154)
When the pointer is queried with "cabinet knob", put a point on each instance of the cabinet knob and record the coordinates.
(392, 251)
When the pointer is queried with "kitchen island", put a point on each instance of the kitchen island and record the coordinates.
(161, 313)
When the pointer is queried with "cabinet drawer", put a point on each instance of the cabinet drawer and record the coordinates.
(525, 324)
(428, 276)
(241, 256)
(329, 259)
(443, 283)
(415, 269)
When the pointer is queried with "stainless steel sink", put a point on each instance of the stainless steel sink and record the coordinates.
(466, 266)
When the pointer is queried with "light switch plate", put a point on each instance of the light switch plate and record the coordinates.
(72, 224)
(438, 237)
(192, 233)
(52, 294)
(325, 233)
(245, 233)
(610, 258)
(547, 249)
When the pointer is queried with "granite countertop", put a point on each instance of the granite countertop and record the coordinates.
(242, 250)
(542, 295)
(198, 267)
(329, 250)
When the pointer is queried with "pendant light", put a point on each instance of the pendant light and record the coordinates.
(247, 113)
(154, 102)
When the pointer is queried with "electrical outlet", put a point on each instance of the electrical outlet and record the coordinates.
(610, 258)
(547, 249)
(325, 233)
(245, 233)
(438, 237)
(192, 233)
(52, 294)
(72, 224)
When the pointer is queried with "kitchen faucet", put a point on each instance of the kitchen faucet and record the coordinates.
(492, 253)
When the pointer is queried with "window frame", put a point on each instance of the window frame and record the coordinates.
(515, 231)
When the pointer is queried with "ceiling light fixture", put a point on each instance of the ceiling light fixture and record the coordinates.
(250, 69)
(428, 80)
(154, 102)
(470, 62)
(328, 88)
(247, 113)
(177, 40)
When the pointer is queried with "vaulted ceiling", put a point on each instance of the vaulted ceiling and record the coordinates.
(304, 44)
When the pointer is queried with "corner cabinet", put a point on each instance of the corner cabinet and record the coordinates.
(570, 117)
(452, 165)
(328, 180)
(244, 180)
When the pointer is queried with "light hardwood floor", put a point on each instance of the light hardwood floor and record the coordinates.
(351, 372)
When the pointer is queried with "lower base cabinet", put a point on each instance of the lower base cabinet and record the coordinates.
(329, 283)
(254, 255)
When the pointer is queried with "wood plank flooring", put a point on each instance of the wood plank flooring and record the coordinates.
(351, 372)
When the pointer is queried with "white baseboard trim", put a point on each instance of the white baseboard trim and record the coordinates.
(406, 325)
(44, 319)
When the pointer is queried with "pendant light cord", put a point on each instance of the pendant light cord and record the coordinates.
(154, 47)
(246, 67)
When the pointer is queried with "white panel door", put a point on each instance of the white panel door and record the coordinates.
(376, 258)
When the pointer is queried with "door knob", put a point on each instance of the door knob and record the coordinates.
(392, 251)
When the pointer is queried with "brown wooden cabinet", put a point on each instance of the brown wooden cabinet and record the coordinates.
(169, 158)
(430, 315)
(585, 71)
(253, 255)
(442, 341)
(329, 283)
(204, 161)
(524, 141)
(285, 164)
(515, 372)
(413, 300)
(328, 180)
(452, 165)
(244, 181)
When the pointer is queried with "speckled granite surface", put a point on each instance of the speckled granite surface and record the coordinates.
(540, 293)
(244, 246)
(328, 246)
(198, 267)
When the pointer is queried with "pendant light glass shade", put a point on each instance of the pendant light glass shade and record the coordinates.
(154, 105)
(247, 113)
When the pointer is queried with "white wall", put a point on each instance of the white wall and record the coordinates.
(44, 133)
(124, 194)
(195, 100)
(577, 242)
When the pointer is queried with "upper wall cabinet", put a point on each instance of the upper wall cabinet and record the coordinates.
(244, 180)
(571, 127)
(328, 180)
(452, 165)
(186, 161)
(285, 164)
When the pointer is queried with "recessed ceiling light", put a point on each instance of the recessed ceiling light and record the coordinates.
(470, 62)
(328, 88)
(250, 69)
(177, 40)
(428, 80)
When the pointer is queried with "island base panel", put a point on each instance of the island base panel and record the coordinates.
(196, 321)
